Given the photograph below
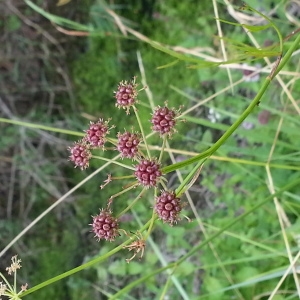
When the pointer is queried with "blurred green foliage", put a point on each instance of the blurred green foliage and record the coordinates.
(224, 190)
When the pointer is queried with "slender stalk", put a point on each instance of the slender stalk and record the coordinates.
(131, 285)
(82, 267)
(123, 191)
(153, 217)
(132, 203)
(42, 127)
(114, 162)
(142, 130)
(162, 148)
(185, 183)
(237, 123)
(237, 220)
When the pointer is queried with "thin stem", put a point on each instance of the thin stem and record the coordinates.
(122, 177)
(131, 285)
(162, 148)
(42, 127)
(184, 184)
(15, 282)
(6, 282)
(123, 191)
(288, 55)
(237, 220)
(238, 122)
(163, 185)
(152, 220)
(142, 130)
(114, 162)
(112, 141)
(84, 266)
(132, 203)
(273, 24)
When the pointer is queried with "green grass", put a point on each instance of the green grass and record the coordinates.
(241, 240)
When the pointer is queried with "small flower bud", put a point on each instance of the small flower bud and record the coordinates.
(168, 207)
(96, 133)
(80, 155)
(126, 94)
(148, 172)
(163, 120)
(128, 144)
(105, 226)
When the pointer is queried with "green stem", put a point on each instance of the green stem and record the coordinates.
(238, 122)
(142, 131)
(128, 287)
(184, 184)
(42, 127)
(82, 267)
(162, 148)
(237, 220)
(272, 23)
(153, 218)
(288, 55)
(114, 162)
(123, 191)
(131, 285)
(75, 270)
(139, 196)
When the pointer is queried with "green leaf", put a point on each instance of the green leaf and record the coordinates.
(252, 28)
(245, 273)
(207, 137)
(169, 64)
(256, 28)
(118, 267)
(185, 268)
(212, 285)
(58, 20)
(135, 268)
(174, 231)
(101, 273)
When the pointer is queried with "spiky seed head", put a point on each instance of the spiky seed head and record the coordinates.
(126, 94)
(105, 226)
(148, 172)
(97, 132)
(80, 154)
(168, 207)
(164, 120)
(128, 144)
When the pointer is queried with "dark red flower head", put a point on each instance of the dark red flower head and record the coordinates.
(80, 154)
(163, 120)
(128, 144)
(96, 133)
(168, 207)
(126, 95)
(148, 172)
(105, 226)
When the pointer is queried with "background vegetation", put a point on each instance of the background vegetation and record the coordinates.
(60, 76)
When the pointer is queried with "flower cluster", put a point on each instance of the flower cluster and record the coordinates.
(148, 172)
(105, 226)
(96, 133)
(80, 154)
(126, 94)
(128, 144)
(95, 137)
(131, 145)
(8, 290)
(164, 120)
(168, 207)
